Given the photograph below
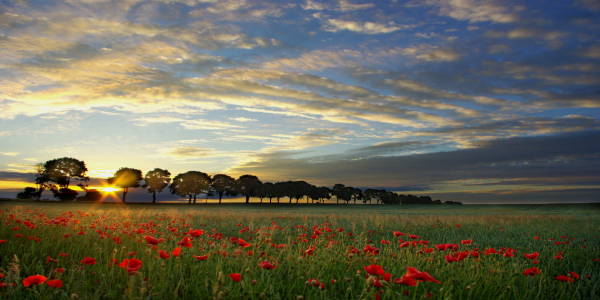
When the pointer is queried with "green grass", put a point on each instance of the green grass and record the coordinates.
(184, 277)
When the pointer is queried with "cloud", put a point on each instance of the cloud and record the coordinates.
(590, 52)
(187, 152)
(478, 10)
(207, 125)
(346, 6)
(571, 155)
(335, 25)
(10, 153)
(313, 5)
(242, 119)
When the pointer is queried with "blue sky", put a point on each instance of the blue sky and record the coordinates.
(470, 100)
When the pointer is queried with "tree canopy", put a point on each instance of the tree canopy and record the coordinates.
(126, 178)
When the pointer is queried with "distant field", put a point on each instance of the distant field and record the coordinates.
(575, 209)
(238, 251)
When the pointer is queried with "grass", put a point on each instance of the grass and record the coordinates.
(491, 276)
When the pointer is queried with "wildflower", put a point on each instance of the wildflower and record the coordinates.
(564, 278)
(267, 265)
(56, 283)
(163, 254)
(88, 261)
(177, 251)
(235, 277)
(36, 279)
(466, 242)
(532, 256)
(185, 242)
(131, 266)
(374, 270)
(153, 241)
(204, 257)
(532, 272)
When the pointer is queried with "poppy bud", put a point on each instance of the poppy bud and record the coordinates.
(370, 281)
(74, 296)
(115, 251)
(347, 279)
(247, 270)
(148, 251)
(468, 288)
(261, 295)
(300, 298)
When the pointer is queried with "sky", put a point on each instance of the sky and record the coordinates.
(478, 101)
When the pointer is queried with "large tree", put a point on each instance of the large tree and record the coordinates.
(156, 181)
(190, 184)
(223, 185)
(337, 191)
(248, 185)
(126, 178)
(62, 171)
(267, 190)
(42, 180)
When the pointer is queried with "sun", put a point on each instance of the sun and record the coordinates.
(108, 189)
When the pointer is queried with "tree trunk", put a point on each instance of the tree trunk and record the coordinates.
(154, 197)
(125, 190)
(194, 198)
(220, 196)
(247, 199)
(190, 201)
(337, 199)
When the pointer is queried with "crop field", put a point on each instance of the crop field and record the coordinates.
(87, 251)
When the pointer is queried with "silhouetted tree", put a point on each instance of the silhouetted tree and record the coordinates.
(337, 190)
(223, 184)
(324, 193)
(190, 184)
(156, 181)
(390, 198)
(28, 193)
(278, 191)
(126, 178)
(91, 195)
(41, 179)
(370, 194)
(62, 171)
(356, 194)
(248, 185)
(267, 189)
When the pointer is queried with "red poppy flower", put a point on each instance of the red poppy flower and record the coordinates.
(398, 233)
(532, 272)
(185, 242)
(153, 241)
(405, 280)
(59, 270)
(564, 278)
(374, 270)
(131, 253)
(63, 255)
(508, 254)
(416, 274)
(131, 266)
(466, 242)
(56, 283)
(36, 279)
(574, 275)
(88, 261)
(458, 225)
(235, 276)
(386, 276)
(533, 255)
(204, 257)
(267, 265)
(163, 254)
(414, 237)
(450, 258)
(2, 241)
(177, 251)
(196, 233)
(243, 243)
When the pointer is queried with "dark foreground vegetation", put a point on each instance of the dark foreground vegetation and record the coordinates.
(58, 175)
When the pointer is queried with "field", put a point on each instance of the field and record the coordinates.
(87, 251)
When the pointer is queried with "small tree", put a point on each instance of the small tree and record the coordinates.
(62, 171)
(337, 191)
(28, 193)
(223, 184)
(248, 185)
(156, 181)
(126, 178)
(91, 195)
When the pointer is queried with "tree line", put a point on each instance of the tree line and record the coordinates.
(59, 174)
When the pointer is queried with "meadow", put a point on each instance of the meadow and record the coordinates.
(92, 251)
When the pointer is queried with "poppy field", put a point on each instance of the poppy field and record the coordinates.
(96, 252)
